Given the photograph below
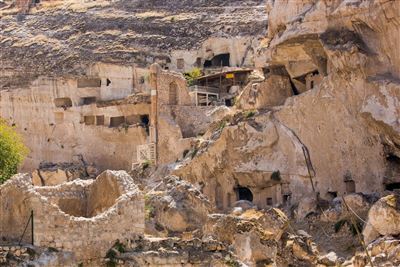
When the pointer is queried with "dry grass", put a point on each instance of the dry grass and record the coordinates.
(179, 17)
(150, 14)
(39, 40)
(251, 214)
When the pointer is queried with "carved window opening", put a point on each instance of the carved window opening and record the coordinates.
(89, 82)
(63, 102)
(350, 186)
(117, 121)
(100, 120)
(88, 100)
(180, 63)
(89, 120)
(393, 187)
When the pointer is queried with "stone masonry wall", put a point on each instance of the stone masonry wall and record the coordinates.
(88, 238)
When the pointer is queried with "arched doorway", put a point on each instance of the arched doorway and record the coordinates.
(243, 193)
(173, 94)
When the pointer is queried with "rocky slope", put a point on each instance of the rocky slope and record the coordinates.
(66, 38)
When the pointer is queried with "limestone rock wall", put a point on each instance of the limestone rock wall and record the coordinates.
(345, 116)
(349, 120)
(266, 94)
(62, 118)
(247, 155)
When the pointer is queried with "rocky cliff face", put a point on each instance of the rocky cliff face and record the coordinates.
(325, 155)
(349, 120)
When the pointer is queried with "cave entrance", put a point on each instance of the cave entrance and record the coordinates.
(332, 195)
(243, 193)
(221, 60)
(145, 121)
(228, 102)
(392, 186)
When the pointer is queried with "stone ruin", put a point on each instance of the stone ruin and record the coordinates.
(308, 125)
(84, 216)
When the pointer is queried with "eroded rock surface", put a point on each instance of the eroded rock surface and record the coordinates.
(383, 218)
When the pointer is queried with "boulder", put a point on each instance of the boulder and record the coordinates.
(299, 248)
(49, 178)
(384, 251)
(272, 220)
(329, 259)
(50, 174)
(180, 208)
(250, 241)
(250, 248)
(307, 205)
(383, 218)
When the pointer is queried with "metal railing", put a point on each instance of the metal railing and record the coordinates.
(30, 220)
(206, 89)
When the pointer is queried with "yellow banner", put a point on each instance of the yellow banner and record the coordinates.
(230, 76)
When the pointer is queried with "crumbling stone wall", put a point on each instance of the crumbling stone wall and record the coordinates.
(108, 217)
(172, 96)
(165, 82)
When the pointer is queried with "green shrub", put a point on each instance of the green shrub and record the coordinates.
(276, 176)
(249, 113)
(194, 153)
(192, 75)
(12, 151)
(146, 164)
(148, 208)
(222, 125)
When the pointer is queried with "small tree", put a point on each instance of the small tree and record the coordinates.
(12, 151)
(192, 75)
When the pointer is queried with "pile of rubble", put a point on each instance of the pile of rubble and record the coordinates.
(49, 173)
(28, 255)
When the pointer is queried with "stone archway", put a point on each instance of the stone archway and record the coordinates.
(244, 193)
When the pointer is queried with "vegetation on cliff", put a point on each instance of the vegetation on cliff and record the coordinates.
(12, 151)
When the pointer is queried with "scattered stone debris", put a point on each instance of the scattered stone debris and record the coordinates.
(50, 174)
(178, 208)
(257, 133)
